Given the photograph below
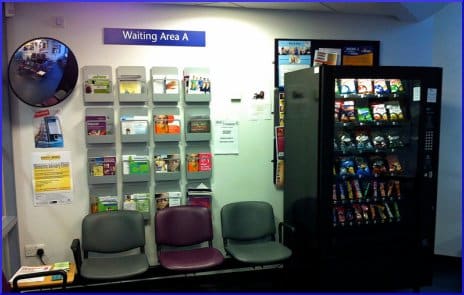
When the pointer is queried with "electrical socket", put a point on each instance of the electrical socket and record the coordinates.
(31, 249)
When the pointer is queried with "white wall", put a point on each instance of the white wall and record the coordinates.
(447, 53)
(239, 51)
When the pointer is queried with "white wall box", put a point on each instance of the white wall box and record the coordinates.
(98, 84)
(165, 84)
(132, 84)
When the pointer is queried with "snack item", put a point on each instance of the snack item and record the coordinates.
(379, 111)
(396, 86)
(365, 211)
(363, 142)
(378, 140)
(364, 115)
(347, 114)
(379, 166)
(394, 110)
(346, 142)
(347, 167)
(341, 214)
(337, 111)
(357, 189)
(357, 213)
(380, 87)
(394, 164)
(349, 189)
(347, 86)
(394, 140)
(363, 167)
(365, 86)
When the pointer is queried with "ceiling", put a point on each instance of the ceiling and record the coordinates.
(402, 11)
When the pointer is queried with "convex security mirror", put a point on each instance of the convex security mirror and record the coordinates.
(42, 72)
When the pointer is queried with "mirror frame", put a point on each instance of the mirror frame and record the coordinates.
(35, 67)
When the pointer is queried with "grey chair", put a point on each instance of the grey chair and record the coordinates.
(113, 244)
(248, 231)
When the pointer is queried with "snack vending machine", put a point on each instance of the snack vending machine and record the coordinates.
(361, 158)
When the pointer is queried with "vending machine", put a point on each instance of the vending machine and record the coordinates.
(361, 163)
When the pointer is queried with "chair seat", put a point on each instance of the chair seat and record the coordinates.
(194, 259)
(263, 252)
(102, 268)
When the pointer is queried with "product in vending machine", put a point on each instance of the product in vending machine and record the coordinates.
(367, 186)
(349, 214)
(334, 192)
(398, 191)
(394, 110)
(379, 112)
(380, 87)
(365, 213)
(346, 142)
(363, 167)
(394, 140)
(394, 164)
(364, 114)
(334, 216)
(341, 214)
(347, 86)
(382, 189)
(373, 214)
(335, 145)
(365, 86)
(349, 189)
(389, 212)
(381, 211)
(378, 140)
(342, 191)
(347, 167)
(379, 166)
(357, 189)
(357, 213)
(363, 141)
(396, 86)
(347, 113)
(390, 188)
(337, 111)
(374, 189)
(396, 210)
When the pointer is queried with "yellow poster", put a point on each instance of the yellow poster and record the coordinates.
(52, 181)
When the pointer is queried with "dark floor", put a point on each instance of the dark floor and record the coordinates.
(446, 279)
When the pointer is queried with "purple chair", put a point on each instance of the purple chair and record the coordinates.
(184, 237)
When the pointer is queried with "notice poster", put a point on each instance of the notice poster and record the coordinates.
(292, 55)
(226, 137)
(51, 178)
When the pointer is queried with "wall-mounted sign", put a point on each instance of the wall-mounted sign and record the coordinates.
(153, 37)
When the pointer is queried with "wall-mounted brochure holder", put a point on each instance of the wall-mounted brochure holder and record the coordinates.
(199, 162)
(166, 86)
(98, 84)
(197, 85)
(197, 123)
(168, 194)
(134, 124)
(136, 196)
(135, 163)
(101, 194)
(167, 162)
(132, 85)
(99, 125)
(101, 165)
(166, 124)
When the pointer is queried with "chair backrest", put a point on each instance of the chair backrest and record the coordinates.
(248, 220)
(113, 231)
(183, 226)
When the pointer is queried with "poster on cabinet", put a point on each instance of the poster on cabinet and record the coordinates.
(51, 178)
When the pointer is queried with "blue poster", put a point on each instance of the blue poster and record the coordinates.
(153, 37)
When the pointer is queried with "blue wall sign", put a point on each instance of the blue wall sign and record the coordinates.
(153, 37)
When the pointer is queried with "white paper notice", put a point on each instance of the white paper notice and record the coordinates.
(226, 137)
(51, 181)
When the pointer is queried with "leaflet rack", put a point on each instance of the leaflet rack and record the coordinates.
(197, 85)
(132, 85)
(99, 125)
(134, 124)
(98, 84)
(166, 86)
